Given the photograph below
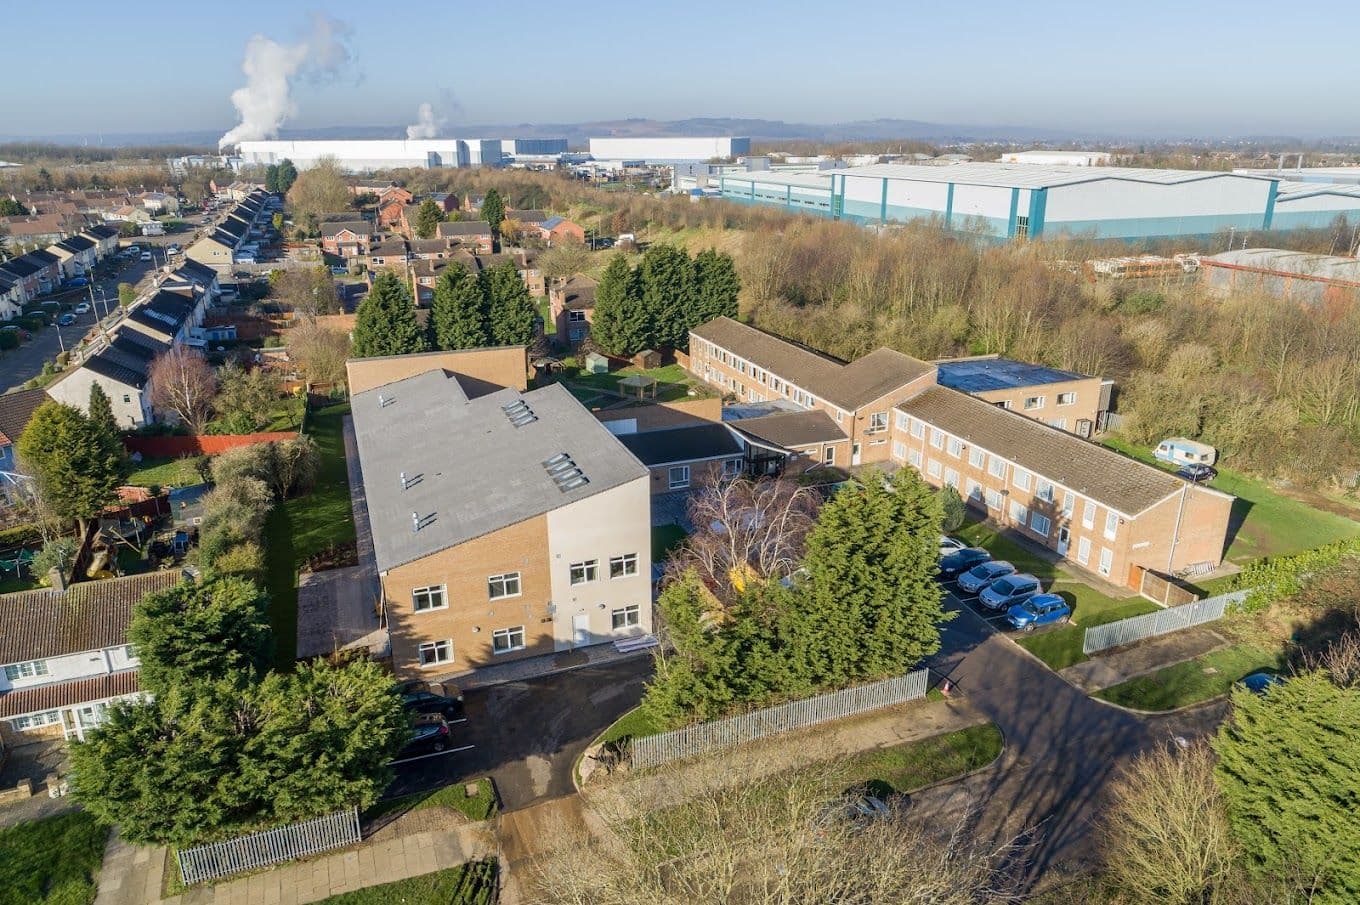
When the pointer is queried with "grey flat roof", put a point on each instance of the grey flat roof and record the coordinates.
(682, 444)
(469, 469)
(978, 375)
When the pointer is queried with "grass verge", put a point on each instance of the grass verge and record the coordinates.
(51, 862)
(914, 765)
(165, 473)
(1207, 676)
(473, 883)
(482, 806)
(305, 525)
(633, 724)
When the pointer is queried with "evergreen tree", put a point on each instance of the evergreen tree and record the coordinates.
(288, 175)
(271, 178)
(100, 412)
(1289, 768)
(76, 470)
(510, 309)
(493, 212)
(620, 324)
(385, 323)
(954, 509)
(458, 314)
(428, 216)
(668, 294)
(198, 632)
(718, 288)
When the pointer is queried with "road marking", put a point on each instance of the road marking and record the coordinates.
(461, 719)
(428, 756)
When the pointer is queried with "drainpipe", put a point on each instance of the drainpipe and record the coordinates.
(1176, 532)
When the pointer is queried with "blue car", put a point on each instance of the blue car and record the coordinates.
(1261, 682)
(960, 561)
(1008, 591)
(1041, 609)
(976, 579)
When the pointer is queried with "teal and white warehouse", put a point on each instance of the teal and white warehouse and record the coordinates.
(1024, 200)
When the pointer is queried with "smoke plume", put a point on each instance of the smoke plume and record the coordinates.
(427, 125)
(265, 102)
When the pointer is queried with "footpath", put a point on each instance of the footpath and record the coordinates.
(1110, 669)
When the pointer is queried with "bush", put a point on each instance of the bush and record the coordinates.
(1279, 577)
(31, 323)
(55, 554)
(9, 339)
(243, 502)
(20, 535)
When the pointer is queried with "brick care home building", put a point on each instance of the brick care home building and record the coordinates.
(506, 524)
(1102, 511)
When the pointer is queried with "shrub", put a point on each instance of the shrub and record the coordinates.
(55, 554)
(1279, 577)
(9, 339)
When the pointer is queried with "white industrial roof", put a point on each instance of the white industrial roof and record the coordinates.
(1028, 175)
(802, 180)
(1292, 191)
(1323, 267)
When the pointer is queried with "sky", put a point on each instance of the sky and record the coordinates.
(1151, 68)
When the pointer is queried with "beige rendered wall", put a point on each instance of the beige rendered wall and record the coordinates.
(471, 616)
(505, 366)
(598, 527)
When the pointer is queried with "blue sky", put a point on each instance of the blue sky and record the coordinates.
(1145, 68)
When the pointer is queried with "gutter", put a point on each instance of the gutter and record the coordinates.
(1176, 531)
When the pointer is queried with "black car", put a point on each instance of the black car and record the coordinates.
(960, 561)
(426, 738)
(1197, 473)
(419, 701)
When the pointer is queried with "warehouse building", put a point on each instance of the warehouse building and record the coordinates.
(1293, 275)
(669, 150)
(364, 156)
(1016, 201)
(1059, 158)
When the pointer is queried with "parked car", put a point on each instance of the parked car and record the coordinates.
(1041, 609)
(426, 738)
(1261, 682)
(976, 579)
(1009, 590)
(429, 702)
(66, 320)
(1197, 472)
(960, 561)
(77, 283)
(950, 544)
(337, 270)
(23, 334)
(145, 256)
(82, 308)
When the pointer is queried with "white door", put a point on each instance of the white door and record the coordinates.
(580, 626)
(854, 454)
(1064, 538)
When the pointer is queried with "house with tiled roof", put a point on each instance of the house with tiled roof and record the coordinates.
(65, 657)
(1100, 510)
(15, 410)
(572, 305)
(472, 234)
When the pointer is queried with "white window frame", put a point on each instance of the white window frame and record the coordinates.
(583, 572)
(977, 458)
(903, 421)
(436, 597)
(918, 428)
(1069, 504)
(31, 721)
(1034, 403)
(1020, 478)
(1067, 399)
(899, 450)
(993, 499)
(829, 455)
(1083, 550)
(505, 580)
(28, 669)
(1043, 490)
(631, 616)
(1019, 512)
(731, 467)
(878, 422)
(1106, 561)
(1111, 525)
(937, 438)
(623, 566)
(974, 490)
(435, 653)
(507, 635)
(951, 478)
(1035, 520)
(1088, 515)
(682, 483)
(954, 447)
(997, 467)
(934, 468)
(914, 458)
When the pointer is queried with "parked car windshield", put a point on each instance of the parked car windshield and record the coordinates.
(1004, 586)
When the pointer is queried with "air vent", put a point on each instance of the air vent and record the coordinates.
(565, 473)
(519, 413)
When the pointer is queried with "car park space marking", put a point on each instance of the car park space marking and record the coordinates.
(407, 760)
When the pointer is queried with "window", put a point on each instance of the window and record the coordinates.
(994, 500)
(955, 447)
(127, 398)
(1059, 423)
(1020, 478)
(623, 566)
(626, 617)
(933, 468)
(1019, 514)
(936, 439)
(587, 570)
(914, 457)
(1111, 524)
(36, 720)
(878, 422)
(678, 477)
(29, 670)
(431, 598)
(433, 653)
(997, 467)
(977, 458)
(974, 490)
(1021, 226)
(507, 585)
(1040, 523)
(1106, 560)
(829, 455)
(899, 450)
(903, 421)
(577, 316)
(504, 640)
(1084, 550)
(731, 468)
(1033, 402)
(918, 429)
(1043, 490)
(1088, 514)
(1067, 399)
(1069, 503)
(951, 477)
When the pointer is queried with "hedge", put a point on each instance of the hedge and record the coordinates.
(1280, 577)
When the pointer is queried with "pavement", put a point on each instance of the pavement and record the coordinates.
(1140, 659)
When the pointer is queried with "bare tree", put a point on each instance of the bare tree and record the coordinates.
(319, 353)
(183, 382)
(320, 190)
(308, 291)
(563, 260)
(746, 527)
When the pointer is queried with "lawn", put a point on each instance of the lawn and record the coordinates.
(666, 538)
(165, 473)
(481, 807)
(1271, 523)
(1200, 679)
(473, 883)
(53, 861)
(633, 724)
(305, 525)
(1059, 647)
(905, 768)
(673, 383)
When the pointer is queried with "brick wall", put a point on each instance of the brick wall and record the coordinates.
(203, 445)
(505, 366)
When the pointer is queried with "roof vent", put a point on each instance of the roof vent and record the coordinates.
(519, 413)
(565, 473)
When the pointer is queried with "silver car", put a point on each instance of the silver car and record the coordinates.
(976, 579)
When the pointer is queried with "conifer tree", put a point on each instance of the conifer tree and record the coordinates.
(459, 312)
(718, 287)
(668, 294)
(510, 309)
(385, 323)
(620, 325)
